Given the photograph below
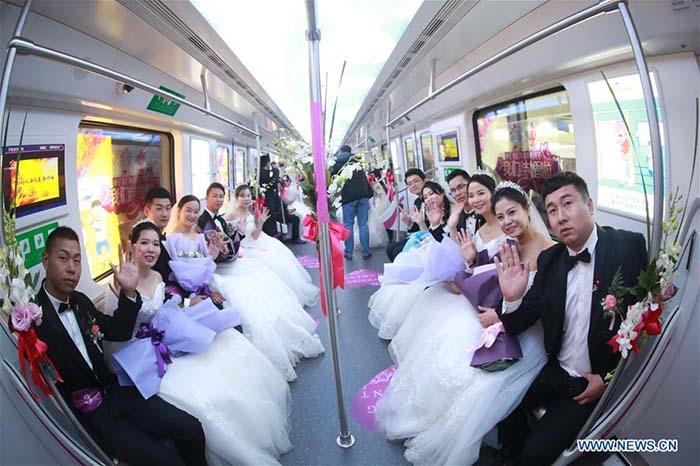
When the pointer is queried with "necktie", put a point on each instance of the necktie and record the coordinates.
(65, 307)
(222, 223)
(583, 256)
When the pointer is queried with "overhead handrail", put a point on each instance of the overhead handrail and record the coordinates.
(599, 8)
(21, 44)
(27, 46)
(603, 6)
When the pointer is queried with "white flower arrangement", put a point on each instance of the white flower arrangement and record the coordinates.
(298, 155)
(654, 288)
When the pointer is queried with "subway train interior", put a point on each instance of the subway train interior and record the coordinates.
(104, 100)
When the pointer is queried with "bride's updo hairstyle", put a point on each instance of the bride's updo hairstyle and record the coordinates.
(140, 227)
(239, 190)
(484, 180)
(185, 199)
(511, 191)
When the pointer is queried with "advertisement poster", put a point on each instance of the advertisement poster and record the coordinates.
(115, 170)
(448, 148)
(623, 173)
(40, 183)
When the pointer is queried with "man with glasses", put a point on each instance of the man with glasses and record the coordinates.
(458, 182)
(415, 179)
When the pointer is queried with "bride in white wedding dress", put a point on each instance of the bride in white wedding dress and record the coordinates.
(271, 315)
(436, 399)
(273, 253)
(241, 399)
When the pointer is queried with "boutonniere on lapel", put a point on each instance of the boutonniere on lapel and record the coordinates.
(613, 299)
(93, 331)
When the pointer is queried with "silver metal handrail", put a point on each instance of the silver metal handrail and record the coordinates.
(27, 46)
(601, 7)
(587, 13)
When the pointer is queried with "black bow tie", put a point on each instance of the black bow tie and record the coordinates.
(583, 256)
(65, 307)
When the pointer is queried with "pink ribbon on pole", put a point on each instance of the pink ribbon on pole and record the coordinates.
(319, 162)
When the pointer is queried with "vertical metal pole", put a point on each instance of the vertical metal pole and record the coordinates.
(345, 439)
(5, 87)
(256, 170)
(654, 130)
(205, 91)
(396, 182)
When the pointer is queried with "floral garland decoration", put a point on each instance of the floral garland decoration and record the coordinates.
(654, 288)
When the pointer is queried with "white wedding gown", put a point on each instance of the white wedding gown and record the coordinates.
(271, 315)
(436, 400)
(278, 258)
(239, 397)
(401, 285)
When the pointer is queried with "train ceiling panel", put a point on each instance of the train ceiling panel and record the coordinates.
(148, 32)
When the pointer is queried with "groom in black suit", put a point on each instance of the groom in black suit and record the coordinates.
(211, 220)
(572, 278)
(122, 422)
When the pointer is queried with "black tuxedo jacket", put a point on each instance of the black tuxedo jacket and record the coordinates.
(71, 365)
(206, 223)
(546, 300)
(162, 265)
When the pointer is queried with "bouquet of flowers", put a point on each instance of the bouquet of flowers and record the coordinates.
(299, 158)
(192, 269)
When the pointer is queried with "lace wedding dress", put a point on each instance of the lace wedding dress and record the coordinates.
(239, 397)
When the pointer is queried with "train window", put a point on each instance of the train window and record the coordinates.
(201, 170)
(623, 176)
(527, 140)
(411, 161)
(395, 157)
(116, 167)
(239, 166)
(426, 151)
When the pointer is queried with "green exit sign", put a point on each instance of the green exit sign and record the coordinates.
(33, 243)
(162, 105)
(448, 171)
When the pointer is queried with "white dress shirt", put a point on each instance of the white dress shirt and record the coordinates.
(71, 324)
(574, 356)
(216, 220)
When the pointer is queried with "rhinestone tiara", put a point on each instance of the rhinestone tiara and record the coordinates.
(143, 220)
(509, 184)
